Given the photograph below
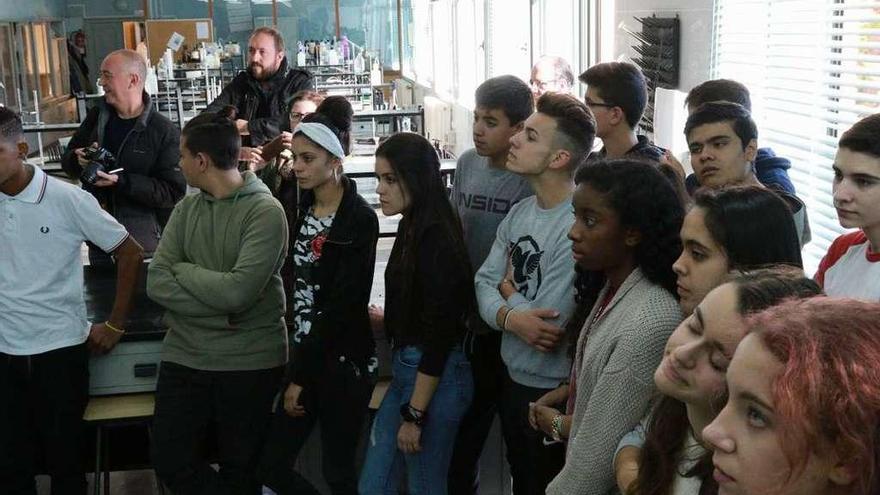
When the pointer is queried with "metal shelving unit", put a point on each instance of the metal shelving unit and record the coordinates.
(341, 79)
(191, 89)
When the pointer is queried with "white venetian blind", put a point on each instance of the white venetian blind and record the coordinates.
(813, 69)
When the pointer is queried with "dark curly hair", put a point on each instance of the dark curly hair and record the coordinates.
(646, 201)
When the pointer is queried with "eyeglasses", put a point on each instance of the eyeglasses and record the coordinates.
(545, 85)
(591, 103)
(298, 115)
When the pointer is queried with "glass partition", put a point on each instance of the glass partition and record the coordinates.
(302, 20)
(7, 66)
(372, 24)
(233, 21)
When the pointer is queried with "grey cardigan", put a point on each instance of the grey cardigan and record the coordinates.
(615, 381)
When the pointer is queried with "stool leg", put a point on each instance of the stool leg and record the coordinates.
(160, 487)
(96, 489)
(106, 474)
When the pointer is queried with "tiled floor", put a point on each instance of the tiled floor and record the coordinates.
(121, 483)
(495, 477)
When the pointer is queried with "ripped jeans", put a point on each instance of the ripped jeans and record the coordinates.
(426, 471)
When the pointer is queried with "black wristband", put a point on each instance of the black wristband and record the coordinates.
(410, 414)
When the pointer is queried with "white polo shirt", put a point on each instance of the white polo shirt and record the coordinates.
(42, 230)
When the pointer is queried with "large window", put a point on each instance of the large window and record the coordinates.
(559, 29)
(417, 45)
(813, 68)
(508, 36)
(442, 32)
(470, 50)
(451, 46)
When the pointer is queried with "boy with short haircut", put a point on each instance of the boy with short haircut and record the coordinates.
(217, 273)
(525, 287)
(723, 141)
(771, 170)
(44, 334)
(851, 268)
(617, 94)
(483, 192)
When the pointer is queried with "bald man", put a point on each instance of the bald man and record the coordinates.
(145, 182)
(551, 74)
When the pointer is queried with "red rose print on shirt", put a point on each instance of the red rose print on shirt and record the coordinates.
(318, 244)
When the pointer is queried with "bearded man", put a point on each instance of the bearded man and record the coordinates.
(262, 94)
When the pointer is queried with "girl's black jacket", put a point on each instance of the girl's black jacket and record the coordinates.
(344, 272)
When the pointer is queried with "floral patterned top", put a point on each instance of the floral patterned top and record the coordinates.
(306, 255)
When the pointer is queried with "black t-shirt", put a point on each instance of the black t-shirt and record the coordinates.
(643, 149)
(115, 132)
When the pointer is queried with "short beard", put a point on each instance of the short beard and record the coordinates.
(265, 74)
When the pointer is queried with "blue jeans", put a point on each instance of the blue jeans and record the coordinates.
(426, 470)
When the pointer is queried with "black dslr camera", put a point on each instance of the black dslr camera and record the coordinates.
(100, 160)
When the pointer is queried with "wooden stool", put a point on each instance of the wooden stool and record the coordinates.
(110, 411)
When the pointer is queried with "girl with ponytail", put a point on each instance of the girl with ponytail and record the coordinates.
(328, 277)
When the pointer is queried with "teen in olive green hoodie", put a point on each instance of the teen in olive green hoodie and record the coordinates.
(217, 273)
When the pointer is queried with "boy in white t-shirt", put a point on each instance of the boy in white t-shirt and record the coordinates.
(851, 268)
(44, 333)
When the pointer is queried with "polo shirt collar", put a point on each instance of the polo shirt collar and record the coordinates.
(36, 189)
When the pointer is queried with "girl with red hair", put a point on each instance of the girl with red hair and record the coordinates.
(803, 414)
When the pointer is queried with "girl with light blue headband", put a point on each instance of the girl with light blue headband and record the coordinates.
(328, 277)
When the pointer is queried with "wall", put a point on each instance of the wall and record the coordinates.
(106, 8)
(696, 33)
(32, 9)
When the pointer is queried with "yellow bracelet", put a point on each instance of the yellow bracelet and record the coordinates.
(111, 327)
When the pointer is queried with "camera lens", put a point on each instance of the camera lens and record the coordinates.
(90, 173)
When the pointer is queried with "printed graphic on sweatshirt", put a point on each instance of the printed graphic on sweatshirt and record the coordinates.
(525, 259)
(481, 202)
(306, 252)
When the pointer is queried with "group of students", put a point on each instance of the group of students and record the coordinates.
(595, 302)
(634, 329)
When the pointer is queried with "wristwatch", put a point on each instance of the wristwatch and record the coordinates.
(409, 414)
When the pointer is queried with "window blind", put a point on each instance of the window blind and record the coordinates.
(813, 69)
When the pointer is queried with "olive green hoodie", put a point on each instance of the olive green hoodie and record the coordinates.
(217, 273)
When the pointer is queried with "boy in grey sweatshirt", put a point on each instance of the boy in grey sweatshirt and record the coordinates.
(525, 287)
(483, 193)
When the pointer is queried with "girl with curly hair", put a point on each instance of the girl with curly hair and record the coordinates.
(624, 241)
(727, 230)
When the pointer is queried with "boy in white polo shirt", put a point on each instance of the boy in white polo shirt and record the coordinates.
(44, 334)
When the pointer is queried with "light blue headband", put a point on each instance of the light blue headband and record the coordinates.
(322, 135)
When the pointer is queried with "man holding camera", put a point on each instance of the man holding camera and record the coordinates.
(126, 154)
